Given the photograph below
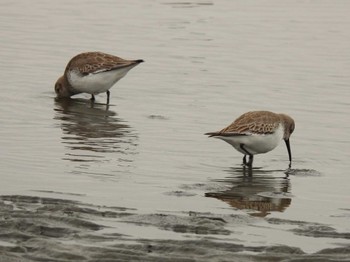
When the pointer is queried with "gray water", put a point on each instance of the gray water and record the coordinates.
(206, 63)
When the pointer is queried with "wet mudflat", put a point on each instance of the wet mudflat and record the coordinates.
(48, 229)
(137, 180)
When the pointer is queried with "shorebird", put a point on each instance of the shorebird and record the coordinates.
(257, 132)
(92, 73)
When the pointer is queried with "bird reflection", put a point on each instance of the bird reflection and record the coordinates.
(260, 194)
(92, 130)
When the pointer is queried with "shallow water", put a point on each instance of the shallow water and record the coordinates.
(206, 63)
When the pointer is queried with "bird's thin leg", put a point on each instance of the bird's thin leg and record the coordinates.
(92, 98)
(108, 94)
(245, 160)
(250, 162)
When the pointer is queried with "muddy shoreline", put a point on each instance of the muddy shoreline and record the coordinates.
(51, 229)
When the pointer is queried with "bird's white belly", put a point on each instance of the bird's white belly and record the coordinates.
(98, 82)
(255, 143)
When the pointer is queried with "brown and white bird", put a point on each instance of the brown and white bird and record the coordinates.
(92, 73)
(257, 132)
